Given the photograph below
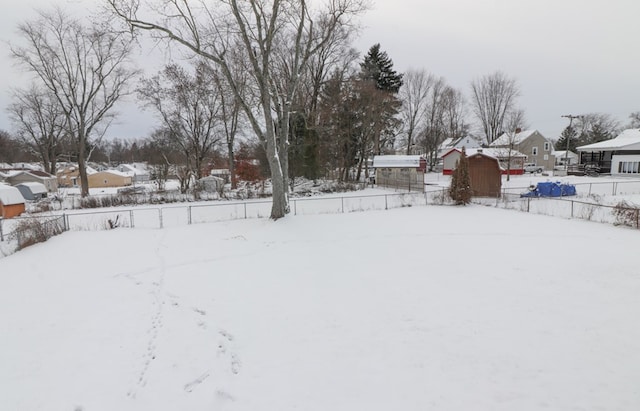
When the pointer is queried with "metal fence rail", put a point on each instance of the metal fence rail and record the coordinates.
(180, 215)
(569, 207)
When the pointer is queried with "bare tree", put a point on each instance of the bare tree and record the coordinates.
(634, 120)
(257, 29)
(414, 97)
(595, 127)
(84, 67)
(40, 123)
(230, 118)
(189, 105)
(433, 132)
(509, 140)
(493, 96)
(455, 113)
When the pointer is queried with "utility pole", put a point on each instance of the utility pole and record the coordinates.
(566, 153)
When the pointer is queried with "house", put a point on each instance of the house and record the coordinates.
(11, 202)
(138, 172)
(620, 155)
(109, 178)
(68, 176)
(400, 171)
(467, 142)
(485, 174)
(34, 176)
(537, 148)
(570, 156)
(504, 157)
(32, 191)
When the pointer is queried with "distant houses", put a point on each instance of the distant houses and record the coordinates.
(510, 161)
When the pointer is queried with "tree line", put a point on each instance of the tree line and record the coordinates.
(267, 79)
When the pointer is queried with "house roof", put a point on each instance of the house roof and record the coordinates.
(396, 161)
(490, 152)
(561, 153)
(507, 138)
(40, 173)
(35, 188)
(10, 195)
(629, 140)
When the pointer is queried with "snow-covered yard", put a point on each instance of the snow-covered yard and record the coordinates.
(421, 308)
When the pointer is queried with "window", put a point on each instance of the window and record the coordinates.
(534, 151)
(547, 147)
(629, 167)
(546, 157)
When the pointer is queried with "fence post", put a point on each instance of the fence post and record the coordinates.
(615, 186)
(1, 234)
(590, 184)
(386, 207)
(245, 210)
(160, 217)
(295, 207)
(342, 204)
(528, 204)
(571, 208)
(131, 218)
(66, 221)
(637, 219)
(189, 215)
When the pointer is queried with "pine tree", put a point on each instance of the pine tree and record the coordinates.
(377, 66)
(460, 189)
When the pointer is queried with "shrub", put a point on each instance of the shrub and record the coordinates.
(460, 189)
(32, 231)
(626, 214)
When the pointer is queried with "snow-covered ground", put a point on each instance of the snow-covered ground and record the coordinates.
(421, 308)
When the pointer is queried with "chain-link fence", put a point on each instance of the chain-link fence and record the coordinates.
(622, 213)
(20, 232)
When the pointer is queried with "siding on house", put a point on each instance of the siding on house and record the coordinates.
(532, 144)
(109, 178)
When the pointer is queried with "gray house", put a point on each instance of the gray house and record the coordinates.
(532, 143)
(16, 177)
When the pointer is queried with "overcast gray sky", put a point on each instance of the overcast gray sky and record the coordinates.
(568, 56)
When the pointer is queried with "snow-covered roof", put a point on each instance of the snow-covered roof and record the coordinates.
(396, 161)
(134, 168)
(499, 153)
(507, 138)
(561, 153)
(10, 195)
(35, 188)
(114, 172)
(629, 140)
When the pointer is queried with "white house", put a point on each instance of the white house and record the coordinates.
(620, 155)
(572, 158)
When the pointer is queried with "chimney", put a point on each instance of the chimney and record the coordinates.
(518, 130)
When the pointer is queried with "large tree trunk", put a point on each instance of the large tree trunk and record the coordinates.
(280, 203)
(82, 168)
(232, 166)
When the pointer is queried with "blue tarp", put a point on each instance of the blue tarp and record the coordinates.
(551, 189)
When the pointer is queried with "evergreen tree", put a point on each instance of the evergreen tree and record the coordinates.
(460, 189)
(570, 134)
(377, 66)
(379, 84)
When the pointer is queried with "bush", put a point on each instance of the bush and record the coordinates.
(32, 231)
(626, 214)
(460, 189)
